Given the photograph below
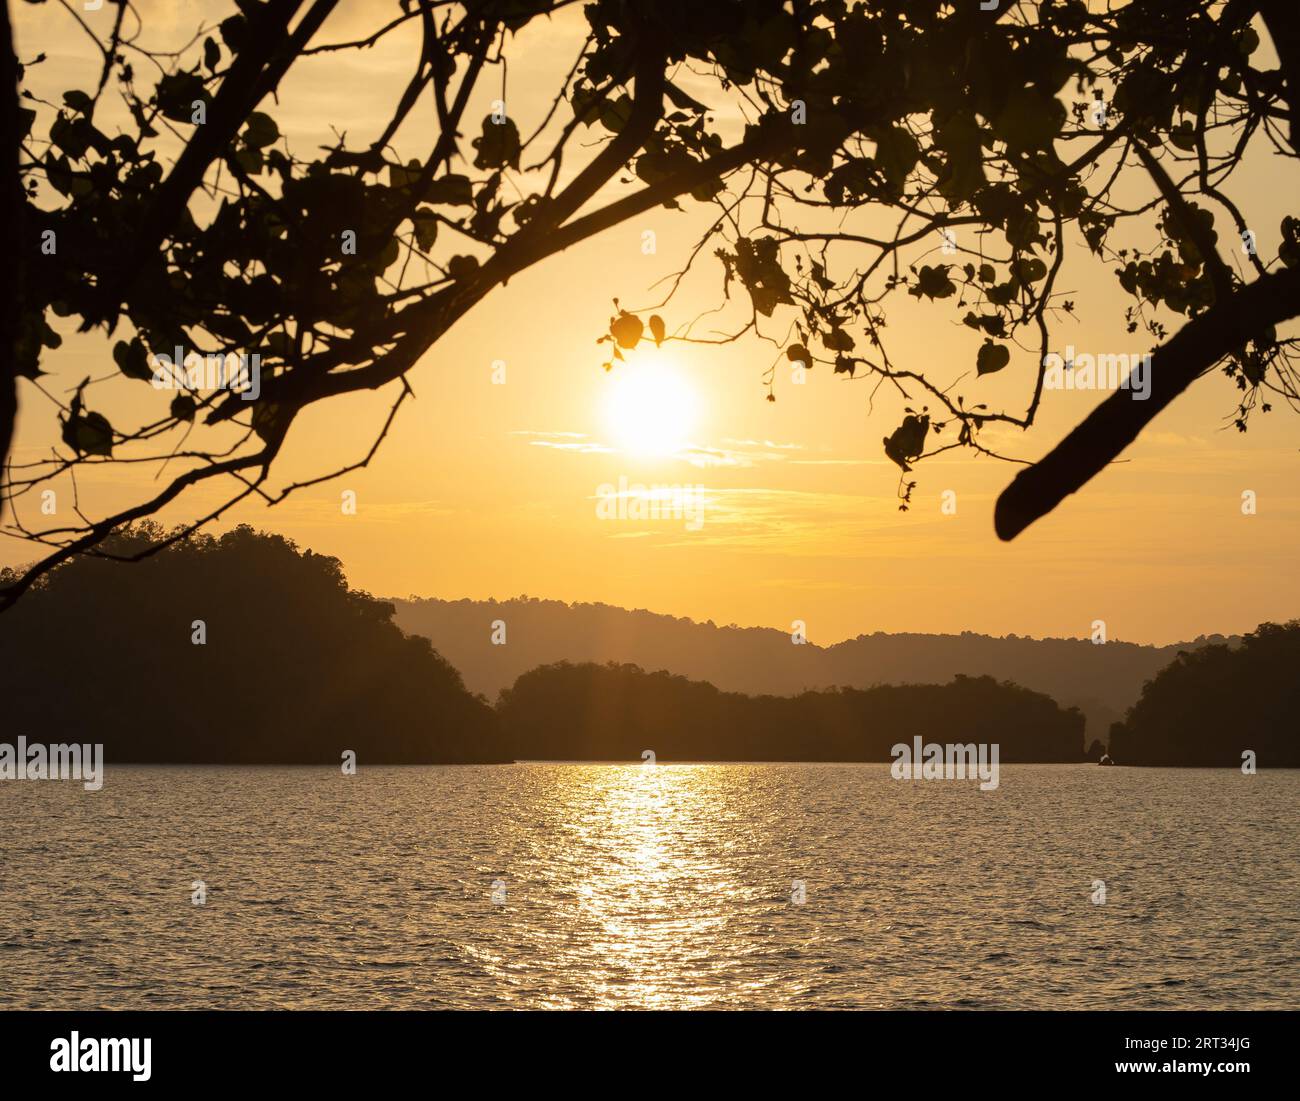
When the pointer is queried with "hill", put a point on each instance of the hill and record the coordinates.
(292, 666)
(1103, 681)
(614, 712)
(1217, 704)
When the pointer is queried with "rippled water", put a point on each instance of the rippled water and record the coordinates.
(654, 887)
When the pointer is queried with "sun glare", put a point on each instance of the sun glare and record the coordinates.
(649, 410)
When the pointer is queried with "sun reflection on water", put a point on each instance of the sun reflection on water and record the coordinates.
(639, 889)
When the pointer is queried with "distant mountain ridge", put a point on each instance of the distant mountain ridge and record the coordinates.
(1103, 681)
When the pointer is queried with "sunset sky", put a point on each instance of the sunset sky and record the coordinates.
(485, 490)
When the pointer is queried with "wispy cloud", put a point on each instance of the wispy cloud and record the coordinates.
(576, 442)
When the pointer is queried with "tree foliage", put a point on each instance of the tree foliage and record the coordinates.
(1209, 707)
(613, 712)
(293, 666)
(845, 147)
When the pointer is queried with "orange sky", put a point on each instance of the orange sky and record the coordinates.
(486, 490)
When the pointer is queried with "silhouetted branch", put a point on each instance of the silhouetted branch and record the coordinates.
(1118, 420)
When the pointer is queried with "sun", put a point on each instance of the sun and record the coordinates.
(649, 410)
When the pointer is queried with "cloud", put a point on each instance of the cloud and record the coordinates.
(576, 442)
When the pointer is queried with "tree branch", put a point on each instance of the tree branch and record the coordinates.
(11, 208)
(1118, 420)
(255, 73)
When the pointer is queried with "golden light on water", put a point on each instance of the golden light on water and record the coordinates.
(624, 886)
(647, 899)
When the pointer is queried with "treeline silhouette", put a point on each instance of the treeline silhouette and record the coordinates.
(615, 712)
(1209, 706)
(1102, 681)
(295, 668)
(242, 648)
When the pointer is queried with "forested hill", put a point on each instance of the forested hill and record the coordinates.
(615, 712)
(242, 648)
(233, 649)
(1103, 681)
(1220, 706)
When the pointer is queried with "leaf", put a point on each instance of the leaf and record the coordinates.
(837, 340)
(425, 223)
(586, 104)
(657, 329)
(1029, 269)
(908, 440)
(678, 98)
(400, 177)
(87, 433)
(896, 153)
(184, 408)
(626, 329)
(78, 101)
(73, 136)
(453, 190)
(461, 267)
(279, 344)
(176, 93)
(211, 54)
(1289, 250)
(1022, 228)
(797, 353)
(615, 113)
(234, 32)
(250, 160)
(1030, 119)
(959, 138)
(261, 131)
(267, 420)
(992, 357)
(1183, 136)
(27, 348)
(386, 257)
(758, 264)
(933, 282)
(499, 145)
(1004, 293)
(133, 359)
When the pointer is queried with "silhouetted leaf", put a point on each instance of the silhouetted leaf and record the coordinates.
(176, 93)
(626, 329)
(234, 32)
(933, 282)
(992, 357)
(451, 190)
(499, 144)
(132, 359)
(425, 223)
(261, 131)
(461, 267)
(183, 407)
(908, 440)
